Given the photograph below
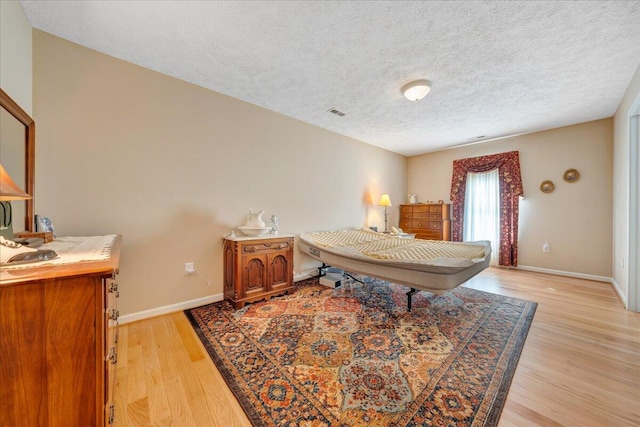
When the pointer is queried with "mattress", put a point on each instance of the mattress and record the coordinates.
(429, 265)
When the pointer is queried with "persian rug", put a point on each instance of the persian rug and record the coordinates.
(339, 357)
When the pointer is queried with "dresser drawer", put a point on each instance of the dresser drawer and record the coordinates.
(435, 208)
(252, 248)
(406, 210)
(429, 235)
(406, 224)
(435, 225)
(420, 209)
(417, 224)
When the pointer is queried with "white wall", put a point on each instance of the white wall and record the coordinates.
(621, 150)
(15, 54)
(174, 167)
(575, 219)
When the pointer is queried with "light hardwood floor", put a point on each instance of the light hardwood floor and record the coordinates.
(580, 365)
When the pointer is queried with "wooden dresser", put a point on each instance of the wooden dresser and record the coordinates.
(58, 335)
(427, 221)
(257, 268)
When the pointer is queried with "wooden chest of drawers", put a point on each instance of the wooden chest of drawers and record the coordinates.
(257, 268)
(58, 338)
(427, 221)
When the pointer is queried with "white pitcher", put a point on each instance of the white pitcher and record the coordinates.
(254, 219)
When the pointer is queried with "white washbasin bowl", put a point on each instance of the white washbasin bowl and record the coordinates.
(254, 231)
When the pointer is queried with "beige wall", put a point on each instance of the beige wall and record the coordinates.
(575, 219)
(621, 147)
(15, 54)
(174, 167)
(15, 80)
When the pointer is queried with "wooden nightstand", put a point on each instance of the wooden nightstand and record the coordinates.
(257, 268)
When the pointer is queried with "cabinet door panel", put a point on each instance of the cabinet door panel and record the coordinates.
(255, 274)
(279, 268)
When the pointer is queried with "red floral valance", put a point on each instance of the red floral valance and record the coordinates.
(508, 165)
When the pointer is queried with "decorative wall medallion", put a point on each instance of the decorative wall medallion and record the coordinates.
(571, 175)
(547, 186)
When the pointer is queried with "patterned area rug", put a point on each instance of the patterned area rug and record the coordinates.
(332, 357)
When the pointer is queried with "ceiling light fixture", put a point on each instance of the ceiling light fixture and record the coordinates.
(416, 90)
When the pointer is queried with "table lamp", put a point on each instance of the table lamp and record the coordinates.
(386, 202)
(9, 190)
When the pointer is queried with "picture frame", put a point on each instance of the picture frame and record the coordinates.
(44, 223)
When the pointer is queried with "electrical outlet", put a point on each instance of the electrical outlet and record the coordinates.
(545, 247)
(189, 268)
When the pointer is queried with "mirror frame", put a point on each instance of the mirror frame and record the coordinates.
(29, 153)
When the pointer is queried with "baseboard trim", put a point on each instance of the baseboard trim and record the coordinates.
(566, 273)
(621, 295)
(140, 315)
(302, 276)
(610, 280)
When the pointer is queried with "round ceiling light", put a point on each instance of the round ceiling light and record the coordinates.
(416, 90)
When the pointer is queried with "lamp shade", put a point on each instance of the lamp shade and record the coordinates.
(416, 90)
(9, 190)
(385, 200)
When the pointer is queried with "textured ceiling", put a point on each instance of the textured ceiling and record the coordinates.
(498, 68)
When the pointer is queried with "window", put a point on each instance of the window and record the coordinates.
(510, 190)
(482, 210)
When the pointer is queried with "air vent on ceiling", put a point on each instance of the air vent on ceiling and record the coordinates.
(336, 112)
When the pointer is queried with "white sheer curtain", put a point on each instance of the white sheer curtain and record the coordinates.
(482, 210)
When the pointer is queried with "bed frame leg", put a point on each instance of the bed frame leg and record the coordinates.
(409, 295)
